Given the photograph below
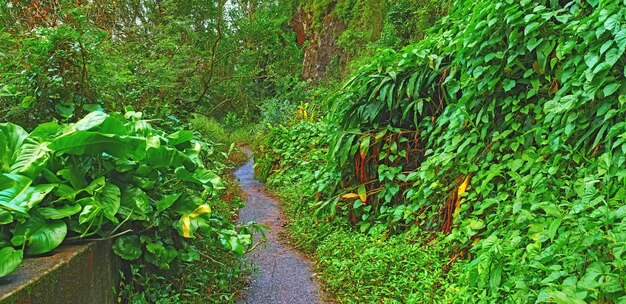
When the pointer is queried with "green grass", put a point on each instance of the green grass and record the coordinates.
(212, 129)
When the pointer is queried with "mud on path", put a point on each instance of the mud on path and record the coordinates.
(283, 276)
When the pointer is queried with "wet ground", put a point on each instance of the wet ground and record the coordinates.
(284, 276)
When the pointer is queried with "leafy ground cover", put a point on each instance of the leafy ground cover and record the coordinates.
(116, 176)
(353, 267)
(495, 145)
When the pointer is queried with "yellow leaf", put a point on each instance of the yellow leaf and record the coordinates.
(459, 192)
(200, 211)
(350, 196)
(185, 220)
(463, 186)
(186, 226)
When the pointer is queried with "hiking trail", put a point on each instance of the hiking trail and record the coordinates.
(284, 276)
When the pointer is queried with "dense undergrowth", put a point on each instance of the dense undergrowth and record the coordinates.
(218, 276)
(117, 177)
(150, 176)
(489, 156)
(354, 267)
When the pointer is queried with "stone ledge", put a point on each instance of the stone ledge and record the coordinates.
(85, 273)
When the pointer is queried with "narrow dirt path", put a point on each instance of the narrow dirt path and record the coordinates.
(284, 276)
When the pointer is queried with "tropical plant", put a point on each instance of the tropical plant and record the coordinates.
(109, 176)
(501, 136)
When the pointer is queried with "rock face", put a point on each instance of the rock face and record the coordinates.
(322, 53)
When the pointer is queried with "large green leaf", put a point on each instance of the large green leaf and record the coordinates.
(31, 158)
(106, 201)
(5, 217)
(90, 210)
(39, 234)
(163, 157)
(90, 121)
(65, 192)
(109, 200)
(167, 201)
(11, 187)
(16, 193)
(56, 213)
(46, 131)
(136, 204)
(11, 139)
(73, 176)
(96, 185)
(47, 237)
(101, 122)
(93, 143)
(113, 125)
(185, 204)
(10, 259)
(199, 176)
(180, 137)
(128, 247)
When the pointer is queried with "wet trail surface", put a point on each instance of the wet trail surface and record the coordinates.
(283, 276)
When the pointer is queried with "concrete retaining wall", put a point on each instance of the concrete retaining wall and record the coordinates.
(81, 274)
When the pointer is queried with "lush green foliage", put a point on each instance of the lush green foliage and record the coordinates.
(293, 154)
(367, 25)
(111, 176)
(60, 60)
(407, 21)
(355, 268)
(499, 136)
(368, 269)
(63, 59)
(489, 155)
(217, 277)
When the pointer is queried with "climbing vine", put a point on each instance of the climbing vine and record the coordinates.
(501, 135)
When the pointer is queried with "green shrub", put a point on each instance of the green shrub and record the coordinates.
(232, 121)
(113, 176)
(275, 112)
(294, 154)
(246, 136)
(209, 128)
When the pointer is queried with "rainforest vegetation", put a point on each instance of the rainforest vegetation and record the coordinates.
(425, 151)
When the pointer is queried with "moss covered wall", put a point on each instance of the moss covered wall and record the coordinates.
(85, 273)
